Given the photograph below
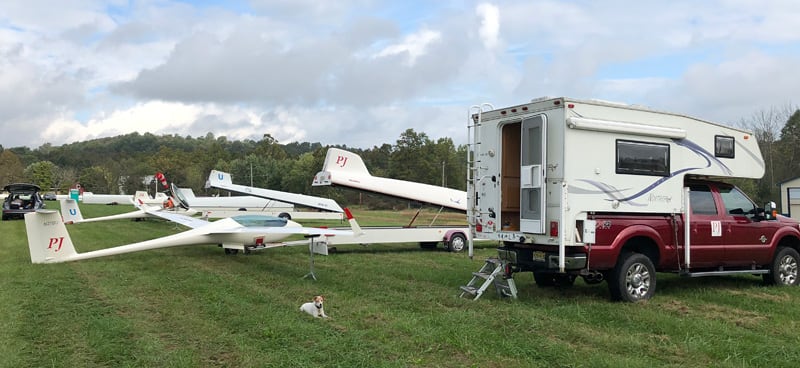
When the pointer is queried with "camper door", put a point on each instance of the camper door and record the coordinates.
(532, 179)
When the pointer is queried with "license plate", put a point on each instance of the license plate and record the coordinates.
(538, 256)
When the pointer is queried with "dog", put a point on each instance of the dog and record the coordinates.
(314, 307)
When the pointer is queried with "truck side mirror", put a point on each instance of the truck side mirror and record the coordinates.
(770, 211)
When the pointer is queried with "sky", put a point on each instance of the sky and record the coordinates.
(361, 72)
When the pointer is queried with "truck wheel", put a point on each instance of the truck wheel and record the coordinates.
(633, 279)
(457, 242)
(783, 270)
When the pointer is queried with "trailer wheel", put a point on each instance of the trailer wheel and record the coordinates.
(783, 270)
(285, 215)
(457, 243)
(633, 279)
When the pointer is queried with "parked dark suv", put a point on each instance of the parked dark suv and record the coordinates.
(22, 198)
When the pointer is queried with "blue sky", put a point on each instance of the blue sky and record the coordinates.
(360, 72)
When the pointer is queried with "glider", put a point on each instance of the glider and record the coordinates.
(71, 213)
(222, 180)
(347, 169)
(49, 241)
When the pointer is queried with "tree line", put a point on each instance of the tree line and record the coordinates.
(119, 164)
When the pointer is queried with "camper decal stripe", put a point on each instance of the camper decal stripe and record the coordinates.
(616, 194)
(694, 147)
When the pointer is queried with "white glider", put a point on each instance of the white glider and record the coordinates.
(347, 169)
(49, 241)
(222, 180)
(71, 213)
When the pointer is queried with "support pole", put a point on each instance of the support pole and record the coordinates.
(311, 256)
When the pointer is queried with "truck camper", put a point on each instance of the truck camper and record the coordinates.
(606, 191)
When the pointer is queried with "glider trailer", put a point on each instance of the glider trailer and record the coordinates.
(613, 192)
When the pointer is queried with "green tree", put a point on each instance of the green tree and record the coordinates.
(413, 158)
(42, 173)
(96, 179)
(790, 146)
(11, 169)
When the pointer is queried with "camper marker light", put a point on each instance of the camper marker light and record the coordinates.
(553, 228)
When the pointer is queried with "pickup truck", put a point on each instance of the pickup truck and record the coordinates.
(728, 234)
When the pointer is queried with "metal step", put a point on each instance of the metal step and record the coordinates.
(469, 290)
(724, 272)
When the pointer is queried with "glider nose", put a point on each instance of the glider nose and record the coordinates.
(290, 223)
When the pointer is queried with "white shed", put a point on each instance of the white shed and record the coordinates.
(790, 197)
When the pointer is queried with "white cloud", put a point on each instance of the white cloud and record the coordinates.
(360, 72)
(412, 46)
(490, 24)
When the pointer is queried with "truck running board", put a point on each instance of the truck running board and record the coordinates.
(491, 273)
(723, 273)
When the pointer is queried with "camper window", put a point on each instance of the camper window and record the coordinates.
(642, 158)
(723, 146)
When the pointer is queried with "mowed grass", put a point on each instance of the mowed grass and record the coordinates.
(389, 306)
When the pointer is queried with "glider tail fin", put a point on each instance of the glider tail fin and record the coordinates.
(353, 223)
(217, 178)
(70, 212)
(48, 239)
(340, 160)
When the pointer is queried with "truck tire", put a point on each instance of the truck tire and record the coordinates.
(783, 270)
(633, 279)
(457, 243)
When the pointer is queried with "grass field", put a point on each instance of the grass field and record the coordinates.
(390, 306)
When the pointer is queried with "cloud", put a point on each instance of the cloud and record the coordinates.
(490, 24)
(359, 72)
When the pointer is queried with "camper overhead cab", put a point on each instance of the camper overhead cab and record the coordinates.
(614, 192)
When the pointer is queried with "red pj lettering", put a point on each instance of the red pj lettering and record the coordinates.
(341, 161)
(57, 242)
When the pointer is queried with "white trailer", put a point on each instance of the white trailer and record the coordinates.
(454, 238)
(347, 169)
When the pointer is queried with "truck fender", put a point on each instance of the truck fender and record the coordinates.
(786, 235)
(631, 232)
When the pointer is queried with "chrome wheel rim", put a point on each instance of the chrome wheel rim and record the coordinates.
(787, 270)
(637, 281)
(457, 244)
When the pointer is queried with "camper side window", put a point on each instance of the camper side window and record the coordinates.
(723, 146)
(642, 158)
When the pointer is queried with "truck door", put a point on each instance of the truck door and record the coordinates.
(706, 249)
(747, 241)
(532, 180)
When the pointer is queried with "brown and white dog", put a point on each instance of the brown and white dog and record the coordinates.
(314, 307)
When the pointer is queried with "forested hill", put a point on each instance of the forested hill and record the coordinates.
(120, 164)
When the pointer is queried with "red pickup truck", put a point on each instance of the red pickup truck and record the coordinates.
(729, 234)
